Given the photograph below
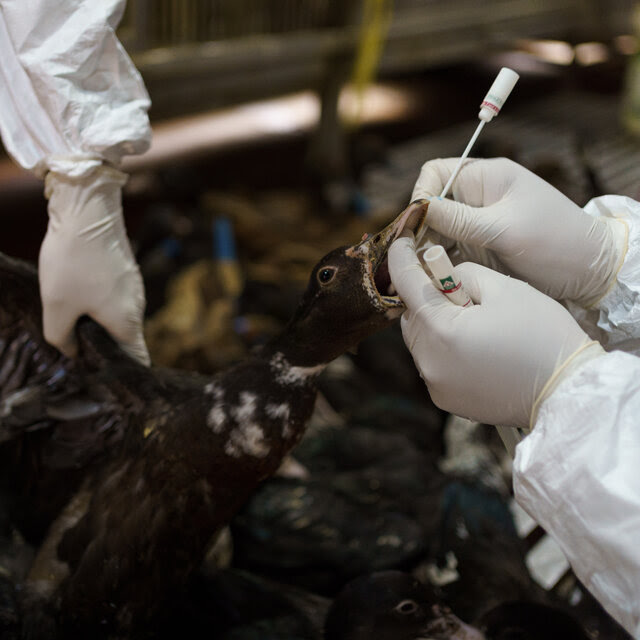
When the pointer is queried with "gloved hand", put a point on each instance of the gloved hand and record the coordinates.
(86, 265)
(507, 218)
(489, 362)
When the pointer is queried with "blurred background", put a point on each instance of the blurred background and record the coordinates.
(319, 95)
(285, 128)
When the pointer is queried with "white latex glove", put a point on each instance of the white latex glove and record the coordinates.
(86, 265)
(489, 362)
(507, 218)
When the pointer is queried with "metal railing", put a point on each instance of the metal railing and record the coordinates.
(165, 23)
(196, 54)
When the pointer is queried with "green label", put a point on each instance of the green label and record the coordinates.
(447, 283)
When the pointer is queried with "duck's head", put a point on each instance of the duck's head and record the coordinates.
(350, 295)
(392, 605)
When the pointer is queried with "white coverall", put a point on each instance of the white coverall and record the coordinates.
(72, 104)
(578, 472)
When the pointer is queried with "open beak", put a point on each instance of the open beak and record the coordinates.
(373, 249)
(446, 626)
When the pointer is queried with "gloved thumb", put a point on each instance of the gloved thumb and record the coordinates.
(413, 285)
(461, 222)
(58, 327)
(479, 282)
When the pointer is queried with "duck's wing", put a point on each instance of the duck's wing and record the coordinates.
(32, 372)
(62, 420)
(59, 416)
(40, 389)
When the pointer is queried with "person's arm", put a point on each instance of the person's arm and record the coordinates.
(71, 105)
(577, 476)
(518, 358)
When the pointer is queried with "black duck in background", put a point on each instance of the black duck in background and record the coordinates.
(476, 533)
(392, 605)
(134, 469)
(375, 498)
(369, 503)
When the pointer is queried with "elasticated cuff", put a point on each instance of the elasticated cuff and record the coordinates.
(584, 354)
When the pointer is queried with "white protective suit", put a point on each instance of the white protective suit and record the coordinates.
(71, 105)
(578, 472)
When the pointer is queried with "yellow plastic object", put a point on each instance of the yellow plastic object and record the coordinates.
(631, 92)
(376, 18)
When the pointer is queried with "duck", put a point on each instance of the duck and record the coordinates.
(394, 605)
(122, 474)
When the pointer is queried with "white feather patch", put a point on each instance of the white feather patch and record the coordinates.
(216, 418)
(288, 374)
(278, 411)
(247, 438)
(247, 407)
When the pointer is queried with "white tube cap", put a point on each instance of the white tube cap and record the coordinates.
(498, 94)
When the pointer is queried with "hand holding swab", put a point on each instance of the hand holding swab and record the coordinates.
(436, 258)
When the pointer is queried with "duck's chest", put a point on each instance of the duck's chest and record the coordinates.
(259, 411)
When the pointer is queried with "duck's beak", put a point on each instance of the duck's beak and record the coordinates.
(372, 250)
(446, 626)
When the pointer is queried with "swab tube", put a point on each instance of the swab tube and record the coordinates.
(489, 108)
(443, 271)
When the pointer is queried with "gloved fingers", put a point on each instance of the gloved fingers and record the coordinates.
(475, 279)
(430, 238)
(123, 316)
(58, 325)
(462, 222)
(479, 255)
(434, 175)
(480, 282)
(125, 325)
(128, 333)
(136, 348)
(413, 285)
(409, 334)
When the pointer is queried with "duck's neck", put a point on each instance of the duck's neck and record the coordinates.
(289, 372)
(303, 350)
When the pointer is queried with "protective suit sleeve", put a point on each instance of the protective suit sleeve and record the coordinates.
(70, 96)
(616, 321)
(577, 475)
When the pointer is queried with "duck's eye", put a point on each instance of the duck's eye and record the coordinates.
(326, 275)
(407, 607)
